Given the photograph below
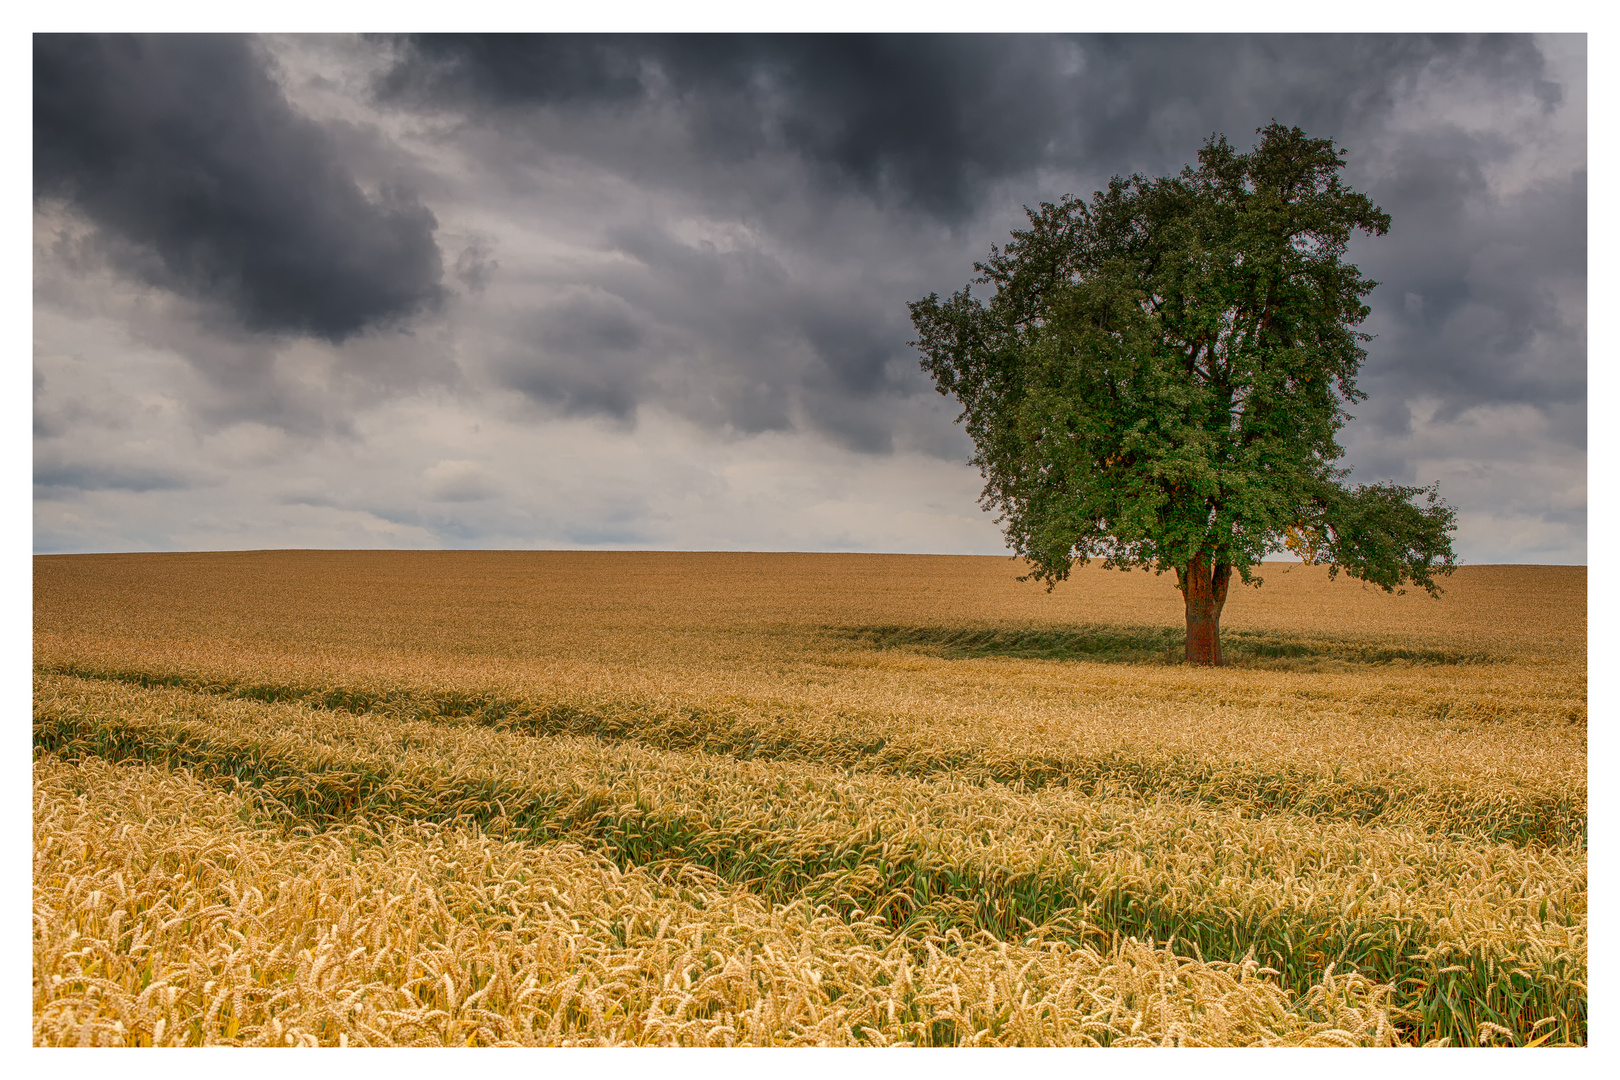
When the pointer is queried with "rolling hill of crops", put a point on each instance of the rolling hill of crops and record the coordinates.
(549, 798)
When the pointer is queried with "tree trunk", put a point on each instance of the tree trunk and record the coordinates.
(1203, 586)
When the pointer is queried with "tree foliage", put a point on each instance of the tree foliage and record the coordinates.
(1161, 373)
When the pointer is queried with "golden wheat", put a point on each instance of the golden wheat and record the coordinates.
(912, 761)
(1400, 902)
(166, 916)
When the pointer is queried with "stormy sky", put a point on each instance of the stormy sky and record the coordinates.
(650, 291)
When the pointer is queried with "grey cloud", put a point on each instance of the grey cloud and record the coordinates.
(1482, 299)
(591, 537)
(558, 68)
(925, 116)
(621, 521)
(475, 266)
(864, 370)
(933, 121)
(583, 355)
(67, 476)
(326, 501)
(731, 337)
(854, 343)
(458, 480)
(938, 124)
(185, 153)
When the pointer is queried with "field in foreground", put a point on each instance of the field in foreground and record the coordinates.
(574, 798)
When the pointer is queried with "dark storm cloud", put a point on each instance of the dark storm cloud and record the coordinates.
(187, 156)
(1149, 101)
(928, 117)
(726, 338)
(933, 119)
(1481, 298)
(945, 129)
(589, 356)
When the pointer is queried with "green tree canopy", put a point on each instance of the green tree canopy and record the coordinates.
(1160, 376)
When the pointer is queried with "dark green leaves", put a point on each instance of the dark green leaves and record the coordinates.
(1376, 533)
(1161, 373)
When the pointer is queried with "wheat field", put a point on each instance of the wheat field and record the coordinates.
(586, 798)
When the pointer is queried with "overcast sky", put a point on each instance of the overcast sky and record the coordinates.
(651, 292)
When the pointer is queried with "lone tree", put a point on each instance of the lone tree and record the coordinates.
(1160, 375)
